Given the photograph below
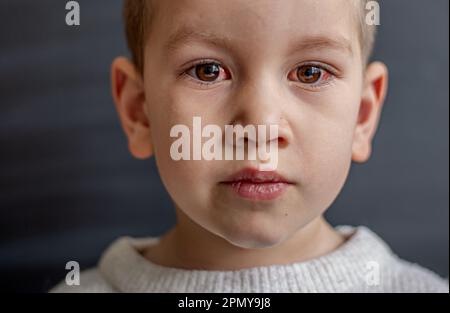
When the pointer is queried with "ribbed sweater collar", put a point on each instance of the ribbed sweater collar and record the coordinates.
(342, 270)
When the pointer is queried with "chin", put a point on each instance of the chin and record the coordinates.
(258, 239)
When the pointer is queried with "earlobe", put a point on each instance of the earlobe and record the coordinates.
(372, 100)
(129, 96)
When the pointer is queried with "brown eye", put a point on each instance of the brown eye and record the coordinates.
(309, 74)
(208, 72)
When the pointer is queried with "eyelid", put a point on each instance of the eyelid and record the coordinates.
(183, 73)
(332, 71)
(187, 66)
(329, 68)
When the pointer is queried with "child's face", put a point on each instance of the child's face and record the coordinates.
(293, 63)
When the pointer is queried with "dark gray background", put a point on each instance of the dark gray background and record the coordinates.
(68, 185)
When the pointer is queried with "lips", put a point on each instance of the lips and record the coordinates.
(257, 185)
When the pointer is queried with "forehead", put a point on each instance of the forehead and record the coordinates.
(257, 24)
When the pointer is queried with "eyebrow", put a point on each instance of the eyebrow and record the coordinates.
(186, 35)
(321, 42)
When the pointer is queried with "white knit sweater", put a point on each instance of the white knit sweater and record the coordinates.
(364, 263)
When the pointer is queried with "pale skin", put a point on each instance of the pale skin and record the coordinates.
(258, 46)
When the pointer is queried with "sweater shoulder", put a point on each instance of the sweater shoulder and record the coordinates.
(404, 276)
(91, 281)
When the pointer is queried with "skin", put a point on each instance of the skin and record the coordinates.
(322, 127)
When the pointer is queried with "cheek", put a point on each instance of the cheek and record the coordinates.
(327, 163)
(329, 155)
(326, 150)
(184, 180)
(187, 181)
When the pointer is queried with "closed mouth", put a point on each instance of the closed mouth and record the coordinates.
(258, 185)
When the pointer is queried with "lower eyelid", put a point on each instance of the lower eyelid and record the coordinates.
(201, 84)
(316, 87)
(195, 80)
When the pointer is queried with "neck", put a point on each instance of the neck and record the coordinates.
(189, 246)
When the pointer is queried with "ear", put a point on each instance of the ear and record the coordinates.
(129, 97)
(372, 99)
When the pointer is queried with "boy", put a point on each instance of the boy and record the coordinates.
(301, 65)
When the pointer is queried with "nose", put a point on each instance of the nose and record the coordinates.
(261, 103)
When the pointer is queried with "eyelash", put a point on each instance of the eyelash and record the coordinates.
(324, 68)
(184, 73)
